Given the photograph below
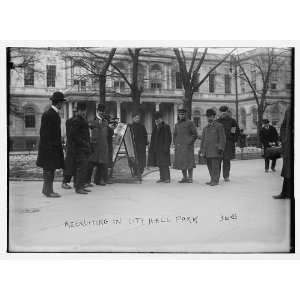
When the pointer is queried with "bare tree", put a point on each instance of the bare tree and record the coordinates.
(265, 63)
(190, 73)
(95, 65)
(133, 81)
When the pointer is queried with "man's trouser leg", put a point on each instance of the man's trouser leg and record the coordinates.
(190, 172)
(273, 165)
(81, 169)
(286, 188)
(48, 176)
(208, 163)
(164, 172)
(89, 172)
(226, 168)
(67, 178)
(267, 164)
(184, 173)
(216, 169)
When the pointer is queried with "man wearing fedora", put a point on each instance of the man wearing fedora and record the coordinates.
(50, 152)
(185, 135)
(212, 146)
(232, 132)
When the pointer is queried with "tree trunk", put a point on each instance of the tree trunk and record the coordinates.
(136, 98)
(187, 102)
(102, 89)
(259, 124)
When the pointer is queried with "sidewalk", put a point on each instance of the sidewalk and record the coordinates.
(239, 216)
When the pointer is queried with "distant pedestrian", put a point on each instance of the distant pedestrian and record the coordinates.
(232, 132)
(185, 135)
(268, 138)
(69, 170)
(80, 147)
(140, 138)
(50, 152)
(159, 150)
(242, 141)
(100, 150)
(212, 146)
(286, 136)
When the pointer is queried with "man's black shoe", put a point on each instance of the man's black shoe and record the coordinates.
(52, 195)
(86, 190)
(280, 197)
(81, 191)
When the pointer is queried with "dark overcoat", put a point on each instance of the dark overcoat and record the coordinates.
(70, 158)
(185, 135)
(267, 136)
(50, 152)
(79, 137)
(159, 150)
(213, 139)
(140, 137)
(286, 135)
(230, 125)
(99, 142)
(110, 134)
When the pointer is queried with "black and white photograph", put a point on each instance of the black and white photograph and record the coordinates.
(150, 149)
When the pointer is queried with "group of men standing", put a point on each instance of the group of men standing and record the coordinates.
(89, 146)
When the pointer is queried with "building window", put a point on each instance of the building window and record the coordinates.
(51, 75)
(274, 75)
(197, 118)
(178, 80)
(211, 82)
(254, 115)
(29, 75)
(288, 86)
(227, 80)
(273, 86)
(29, 117)
(242, 82)
(80, 84)
(243, 117)
(253, 78)
(288, 80)
(119, 85)
(155, 77)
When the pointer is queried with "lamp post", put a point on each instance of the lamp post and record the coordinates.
(233, 63)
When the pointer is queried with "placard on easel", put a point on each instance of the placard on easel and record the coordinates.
(123, 146)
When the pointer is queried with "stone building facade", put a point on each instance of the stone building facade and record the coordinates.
(52, 69)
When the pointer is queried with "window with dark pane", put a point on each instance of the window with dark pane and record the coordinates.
(178, 80)
(227, 80)
(29, 75)
(51, 75)
(29, 117)
(211, 82)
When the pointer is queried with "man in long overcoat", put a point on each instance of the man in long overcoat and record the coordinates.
(212, 146)
(159, 150)
(184, 137)
(140, 138)
(268, 138)
(232, 132)
(50, 152)
(79, 140)
(69, 169)
(100, 150)
(286, 136)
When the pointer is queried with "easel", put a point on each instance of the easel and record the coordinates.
(123, 136)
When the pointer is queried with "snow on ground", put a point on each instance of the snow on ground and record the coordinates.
(239, 216)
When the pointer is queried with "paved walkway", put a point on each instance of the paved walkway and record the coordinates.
(232, 217)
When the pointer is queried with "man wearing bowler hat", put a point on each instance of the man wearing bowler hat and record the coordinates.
(232, 132)
(50, 152)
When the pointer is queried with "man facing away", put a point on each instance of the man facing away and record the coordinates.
(268, 138)
(140, 138)
(80, 147)
(212, 146)
(50, 152)
(159, 150)
(69, 169)
(185, 135)
(232, 132)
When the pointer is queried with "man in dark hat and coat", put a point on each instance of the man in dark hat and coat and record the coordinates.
(50, 152)
(140, 138)
(159, 150)
(268, 138)
(69, 169)
(100, 150)
(286, 136)
(212, 146)
(232, 132)
(79, 141)
(184, 137)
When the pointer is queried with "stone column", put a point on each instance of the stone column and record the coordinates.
(70, 112)
(147, 76)
(119, 109)
(165, 77)
(175, 109)
(157, 106)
